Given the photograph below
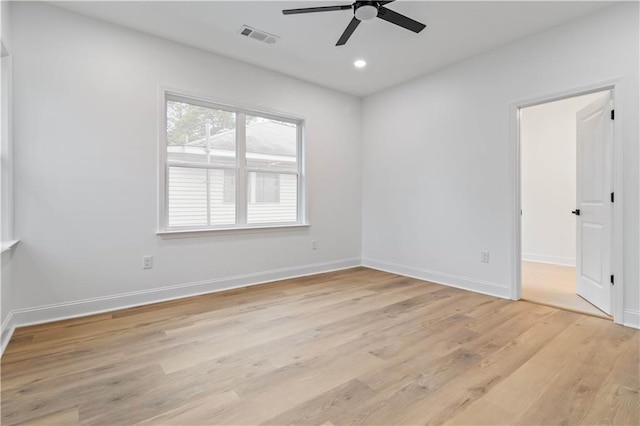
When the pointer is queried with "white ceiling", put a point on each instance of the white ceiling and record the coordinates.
(455, 31)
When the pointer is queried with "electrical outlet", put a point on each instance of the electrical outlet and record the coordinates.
(484, 256)
(147, 262)
(314, 245)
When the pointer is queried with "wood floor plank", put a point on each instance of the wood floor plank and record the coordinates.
(356, 346)
(617, 400)
(490, 413)
(469, 384)
(99, 396)
(563, 378)
(278, 327)
(62, 418)
(572, 392)
(319, 410)
(555, 285)
(197, 412)
(287, 387)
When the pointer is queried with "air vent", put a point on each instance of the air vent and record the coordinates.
(258, 35)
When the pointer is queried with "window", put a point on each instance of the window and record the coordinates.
(6, 148)
(227, 167)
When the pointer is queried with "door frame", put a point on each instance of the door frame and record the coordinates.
(515, 178)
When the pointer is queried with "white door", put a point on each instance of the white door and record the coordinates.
(594, 207)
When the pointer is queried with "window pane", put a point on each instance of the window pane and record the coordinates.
(273, 197)
(200, 134)
(271, 144)
(229, 195)
(267, 188)
(222, 197)
(187, 196)
(192, 205)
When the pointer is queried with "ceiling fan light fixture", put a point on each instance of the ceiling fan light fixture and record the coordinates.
(366, 12)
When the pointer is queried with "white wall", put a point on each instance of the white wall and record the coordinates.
(6, 289)
(87, 114)
(444, 138)
(6, 204)
(548, 176)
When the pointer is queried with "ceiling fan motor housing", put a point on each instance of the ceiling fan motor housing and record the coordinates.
(365, 10)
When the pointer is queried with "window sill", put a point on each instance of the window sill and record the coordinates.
(186, 233)
(8, 245)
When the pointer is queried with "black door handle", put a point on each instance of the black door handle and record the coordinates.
(576, 212)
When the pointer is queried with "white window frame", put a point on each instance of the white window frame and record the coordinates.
(7, 238)
(242, 171)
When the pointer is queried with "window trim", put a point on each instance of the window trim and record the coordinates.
(7, 233)
(163, 229)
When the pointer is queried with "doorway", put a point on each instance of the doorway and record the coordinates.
(566, 223)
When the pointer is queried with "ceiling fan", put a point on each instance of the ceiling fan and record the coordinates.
(364, 11)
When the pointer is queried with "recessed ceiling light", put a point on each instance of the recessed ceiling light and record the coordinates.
(360, 63)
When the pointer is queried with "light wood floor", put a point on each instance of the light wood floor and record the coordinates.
(555, 285)
(350, 347)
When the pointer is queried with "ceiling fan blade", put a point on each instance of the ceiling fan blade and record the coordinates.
(316, 9)
(400, 20)
(382, 3)
(348, 31)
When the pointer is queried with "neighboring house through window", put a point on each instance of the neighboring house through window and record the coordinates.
(266, 188)
(229, 186)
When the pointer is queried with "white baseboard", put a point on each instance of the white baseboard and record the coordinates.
(80, 308)
(631, 318)
(7, 329)
(564, 261)
(484, 287)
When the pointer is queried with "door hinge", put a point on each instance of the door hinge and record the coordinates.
(613, 114)
(612, 280)
(612, 197)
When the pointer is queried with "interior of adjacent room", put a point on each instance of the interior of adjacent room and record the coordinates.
(548, 142)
